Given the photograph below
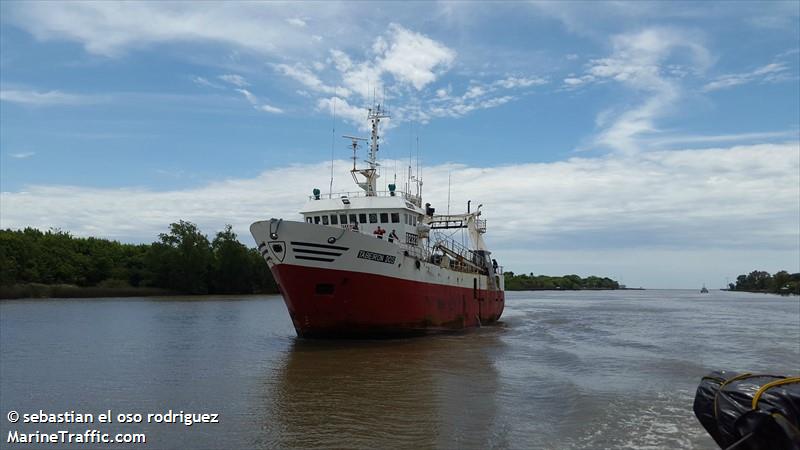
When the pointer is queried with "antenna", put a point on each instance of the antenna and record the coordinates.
(333, 136)
(417, 171)
(354, 145)
(448, 193)
(410, 153)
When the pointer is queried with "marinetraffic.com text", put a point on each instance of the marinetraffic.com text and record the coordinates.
(71, 419)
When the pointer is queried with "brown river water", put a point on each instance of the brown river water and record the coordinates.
(563, 370)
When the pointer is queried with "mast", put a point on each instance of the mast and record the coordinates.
(370, 174)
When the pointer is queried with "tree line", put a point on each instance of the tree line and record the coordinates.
(781, 282)
(182, 260)
(530, 282)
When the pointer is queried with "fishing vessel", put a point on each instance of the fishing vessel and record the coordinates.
(372, 262)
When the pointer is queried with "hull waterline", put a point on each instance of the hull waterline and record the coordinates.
(338, 303)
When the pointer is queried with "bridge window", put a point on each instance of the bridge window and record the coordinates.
(405, 218)
(334, 219)
(395, 217)
(324, 220)
(384, 218)
(413, 220)
(309, 219)
(316, 219)
(353, 218)
(343, 219)
(362, 218)
(373, 218)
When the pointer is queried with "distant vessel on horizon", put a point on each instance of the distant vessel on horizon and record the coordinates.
(375, 263)
(704, 290)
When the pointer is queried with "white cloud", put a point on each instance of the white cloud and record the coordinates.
(396, 63)
(596, 19)
(200, 81)
(269, 108)
(474, 91)
(236, 80)
(248, 96)
(410, 58)
(479, 95)
(110, 29)
(742, 138)
(413, 57)
(48, 98)
(240, 85)
(697, 202)
(341, 60)
(637, 63)
(637, 57)
(308, 79)
(574, 82)
(398, 60)
(356, 115)
(364, 79)
(772, 72)
(520, 82)
(21, 155)
(258, 104)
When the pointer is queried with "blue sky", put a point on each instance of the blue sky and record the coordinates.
(653, 142)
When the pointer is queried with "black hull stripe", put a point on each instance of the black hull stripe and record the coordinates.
(308, 244)
(315, 252)
(312, 258)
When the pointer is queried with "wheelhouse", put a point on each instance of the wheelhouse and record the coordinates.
(391, 217)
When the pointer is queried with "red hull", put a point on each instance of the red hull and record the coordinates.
(327, 302)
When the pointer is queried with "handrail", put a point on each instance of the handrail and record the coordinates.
(465, 257)
(417, 200)
(452, 244)
(416, 251)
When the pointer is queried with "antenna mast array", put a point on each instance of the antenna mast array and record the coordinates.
(370, 174)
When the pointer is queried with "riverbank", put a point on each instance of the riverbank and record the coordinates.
(531, 282)
(574, 289)
(784, 293)
(38, 290)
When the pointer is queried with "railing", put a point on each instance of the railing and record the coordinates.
(415, 199)
(417, 252)
(450, 243)
(462, 258)
(442, 222)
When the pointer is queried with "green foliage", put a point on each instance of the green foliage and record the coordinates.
(532, 282)
(182, 260)
(232, 270)
(781, 282)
